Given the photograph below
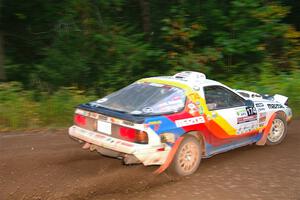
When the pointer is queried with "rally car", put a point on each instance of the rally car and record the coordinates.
(175, 121)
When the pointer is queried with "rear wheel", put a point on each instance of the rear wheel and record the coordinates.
(187, 158)
(278, 131)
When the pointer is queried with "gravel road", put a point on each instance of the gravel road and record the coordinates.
(50, 165)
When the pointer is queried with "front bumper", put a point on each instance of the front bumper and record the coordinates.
(145, 153)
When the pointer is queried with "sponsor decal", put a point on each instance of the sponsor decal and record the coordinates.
(259, 105)
(241, 112)
(156, 84)
(239, 130)
(192, 108)
(99, 136)
(156, 127)
(126, 144)
(201, 111)
(208, 117)
(262, 119)
(81, 112)
(128, 123)
(88, 114)
(214, 115)
(154, 122)
(263, 114)
(168, 108)
(194, 97)
(260, 109)
(245, 119)
(190, 121)
(246, 128)
(175, 103)
(274, 106)
(94, 115)
(249, 111)
(115, 121)
(177, 98)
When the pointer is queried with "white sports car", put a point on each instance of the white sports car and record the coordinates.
(175, 121)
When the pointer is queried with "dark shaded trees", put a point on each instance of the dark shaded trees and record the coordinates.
(104, 45)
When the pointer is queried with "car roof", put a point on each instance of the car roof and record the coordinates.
(170, 79)
(187, 80)
(184, 84)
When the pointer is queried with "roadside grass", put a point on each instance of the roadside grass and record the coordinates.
(22, 109)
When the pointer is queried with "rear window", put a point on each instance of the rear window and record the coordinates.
(145, 99)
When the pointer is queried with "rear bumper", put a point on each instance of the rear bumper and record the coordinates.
(145, 153)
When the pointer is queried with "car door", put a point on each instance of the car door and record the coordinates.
(230, 112)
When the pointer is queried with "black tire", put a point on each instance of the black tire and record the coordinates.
(277, 140)
(184, 167)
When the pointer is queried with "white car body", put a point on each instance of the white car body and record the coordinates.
(221, 129)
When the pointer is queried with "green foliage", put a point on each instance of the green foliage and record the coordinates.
(14, 112)
(21, 109)
(100, 46)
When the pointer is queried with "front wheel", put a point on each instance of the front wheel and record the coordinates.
(187, 158)
(278, 131)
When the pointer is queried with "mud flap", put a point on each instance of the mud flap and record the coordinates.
(263, 139)
(86, 145)
(170, 157)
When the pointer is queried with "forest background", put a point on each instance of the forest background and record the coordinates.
(56, 54)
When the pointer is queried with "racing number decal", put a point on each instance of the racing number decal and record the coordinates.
(251, 111)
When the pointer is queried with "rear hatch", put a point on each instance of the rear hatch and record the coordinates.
(113, 127)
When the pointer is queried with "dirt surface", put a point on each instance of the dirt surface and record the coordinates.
(50, 165)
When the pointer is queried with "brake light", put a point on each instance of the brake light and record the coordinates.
(133, 135)
(128, 133)
(80, 120)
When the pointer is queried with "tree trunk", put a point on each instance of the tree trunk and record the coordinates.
(145, 7)
(2, 71)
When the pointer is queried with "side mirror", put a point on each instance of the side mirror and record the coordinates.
(249, 103)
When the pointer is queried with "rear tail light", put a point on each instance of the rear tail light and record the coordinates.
(133, 135)
(80, 120)
(128, 133)
(141, 137)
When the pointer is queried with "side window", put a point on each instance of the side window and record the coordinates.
(218, 97)
(244, 94)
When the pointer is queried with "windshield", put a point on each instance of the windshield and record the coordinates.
(145, 98)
